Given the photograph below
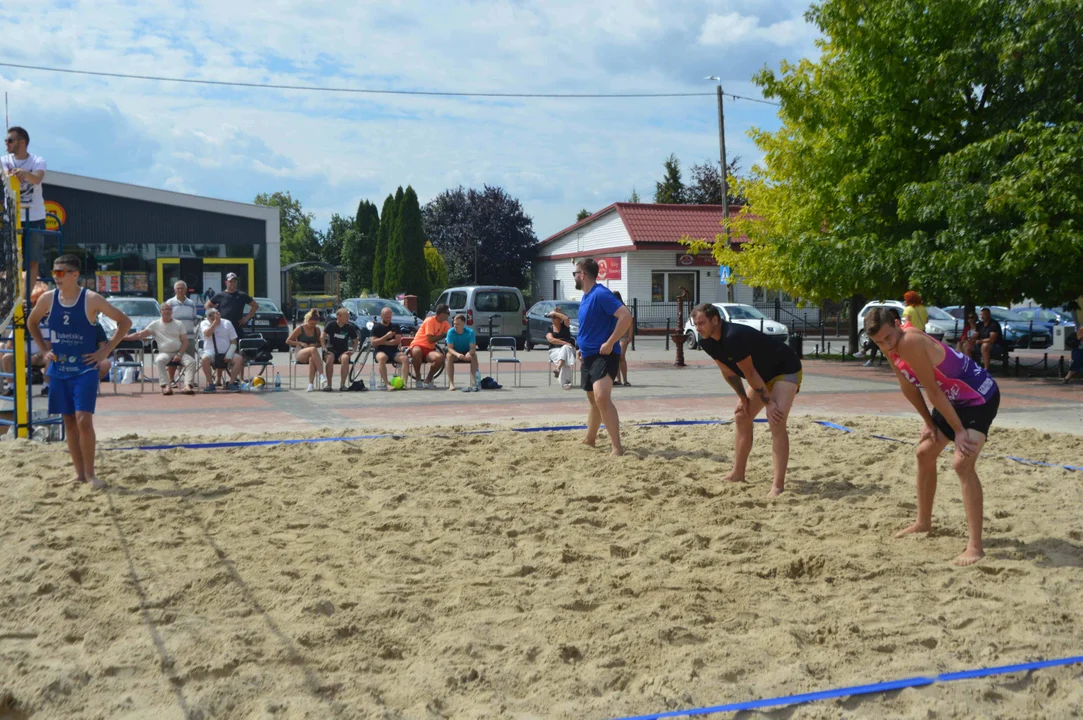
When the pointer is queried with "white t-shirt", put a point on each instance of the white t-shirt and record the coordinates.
(186, 311)
(224, 334)
(30, 196)
(167, 334)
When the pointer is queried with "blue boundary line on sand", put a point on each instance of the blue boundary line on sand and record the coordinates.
(1023, 461)
(874, 688)
(301, 441)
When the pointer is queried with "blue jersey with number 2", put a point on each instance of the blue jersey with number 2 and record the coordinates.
(72, 337)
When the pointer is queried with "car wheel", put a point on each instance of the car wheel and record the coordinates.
(862, 340)
(691, 342)
(483, 343)
(529, 344)
(520, 343)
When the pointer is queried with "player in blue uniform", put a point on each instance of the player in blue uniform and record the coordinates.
(71, 312)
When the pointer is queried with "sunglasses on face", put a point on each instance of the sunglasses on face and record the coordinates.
(9, 141)
(577, 272)
(62, 273)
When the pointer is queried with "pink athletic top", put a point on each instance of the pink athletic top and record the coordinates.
(965, 382)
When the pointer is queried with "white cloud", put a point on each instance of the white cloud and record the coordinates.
(332, 150)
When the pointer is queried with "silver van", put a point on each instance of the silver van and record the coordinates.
(491, 310)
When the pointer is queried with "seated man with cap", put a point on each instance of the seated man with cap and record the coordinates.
(220, 349)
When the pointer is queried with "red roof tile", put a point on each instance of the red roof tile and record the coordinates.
(655, 223)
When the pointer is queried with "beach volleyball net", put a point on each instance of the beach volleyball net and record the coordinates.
(10, 277)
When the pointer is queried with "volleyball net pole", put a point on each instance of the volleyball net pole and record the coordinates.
(21, 381)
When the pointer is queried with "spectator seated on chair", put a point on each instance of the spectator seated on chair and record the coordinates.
(561, 349)
(968, 338)
(340, 339)
(220, 350)
(386, 343)
(462, 347)
(306, 341)
(423, 347)
(990, 343)
(171, 338)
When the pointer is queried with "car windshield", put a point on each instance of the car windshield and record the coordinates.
(937, 314)
(572, 311)
(373, 307)
(135, 306)
(1003, 315)
(745, 312)
(266, 306)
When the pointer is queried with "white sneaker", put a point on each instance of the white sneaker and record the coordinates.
(859, 354)
(310, 388)
(430, 386)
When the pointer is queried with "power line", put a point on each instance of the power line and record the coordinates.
(370, 91)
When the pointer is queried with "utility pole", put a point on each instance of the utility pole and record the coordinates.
(722, 158)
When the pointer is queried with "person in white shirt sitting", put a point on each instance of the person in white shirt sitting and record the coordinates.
(172, 341)
(220, 349)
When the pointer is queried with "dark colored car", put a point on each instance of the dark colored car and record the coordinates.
(538, 325)
(270, 323)
(1017, 329)
(364, 311)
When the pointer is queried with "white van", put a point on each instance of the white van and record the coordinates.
(491, 310)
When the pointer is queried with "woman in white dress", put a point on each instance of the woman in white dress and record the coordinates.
(561, 348)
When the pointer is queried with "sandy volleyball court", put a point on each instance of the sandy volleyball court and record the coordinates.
(526, 576)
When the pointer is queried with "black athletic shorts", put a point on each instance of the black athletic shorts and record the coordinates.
(595, 367)
(390, 350)
(978, 417)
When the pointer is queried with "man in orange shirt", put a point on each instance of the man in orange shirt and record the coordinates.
(423, 347)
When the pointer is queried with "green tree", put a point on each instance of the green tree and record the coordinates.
(359, 255)
(339, 234)
(583, 215)
(634, 197)
(299, 241)
(395, 260)
(436, 268)
(415, 277)
(383, 237)
(935, 145)
(671, 190)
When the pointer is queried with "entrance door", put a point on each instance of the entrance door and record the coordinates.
(679, 281)
(212, 283)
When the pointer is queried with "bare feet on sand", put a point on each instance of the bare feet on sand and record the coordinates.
(733, 477)
(969, 557)
(588, 443)
(77, 480)
(451, 387)
(616, 452)
(776, 490)
(95, 483)
(915, 528)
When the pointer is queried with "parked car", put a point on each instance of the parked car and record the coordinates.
(142, 311)
(1017, 329)
(742, 315)
(538, 325)
(1051, 318)
(270, 322)
(940, 325)
(364, 312)
(491, 310)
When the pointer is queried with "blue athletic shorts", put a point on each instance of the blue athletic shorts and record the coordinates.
(68, 396)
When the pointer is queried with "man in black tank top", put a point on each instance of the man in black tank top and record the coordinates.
(773, 372)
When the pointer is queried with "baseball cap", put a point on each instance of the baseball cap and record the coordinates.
(231, 276)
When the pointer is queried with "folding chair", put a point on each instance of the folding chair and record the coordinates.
(505, 345)
(134, 348)
(248, 347)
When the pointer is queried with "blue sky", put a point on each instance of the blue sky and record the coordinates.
(332, 150)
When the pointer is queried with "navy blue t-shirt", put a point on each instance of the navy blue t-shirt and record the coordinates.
(596, 320)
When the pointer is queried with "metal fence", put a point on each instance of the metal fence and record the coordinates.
(656, 315)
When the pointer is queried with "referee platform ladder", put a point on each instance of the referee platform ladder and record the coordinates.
(18, 417)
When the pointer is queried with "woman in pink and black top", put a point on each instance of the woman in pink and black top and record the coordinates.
(965, 400)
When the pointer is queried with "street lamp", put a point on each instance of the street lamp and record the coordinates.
(722, 156)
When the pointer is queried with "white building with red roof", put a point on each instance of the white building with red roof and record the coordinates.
(639, 253)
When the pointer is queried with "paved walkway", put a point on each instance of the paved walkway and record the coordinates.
(659, 391)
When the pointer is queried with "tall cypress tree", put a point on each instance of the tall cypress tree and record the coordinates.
(359, 259)
(395, 260)
(415, 276)
(387, 217)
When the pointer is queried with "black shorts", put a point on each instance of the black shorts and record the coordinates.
(595, 367)
(336, 355)
(978, 417)
(388, 350)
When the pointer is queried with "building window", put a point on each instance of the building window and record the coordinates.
(658, 287)
(679, 282)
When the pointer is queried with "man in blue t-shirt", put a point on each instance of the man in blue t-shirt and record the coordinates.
(462, 347)
(603, 321)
